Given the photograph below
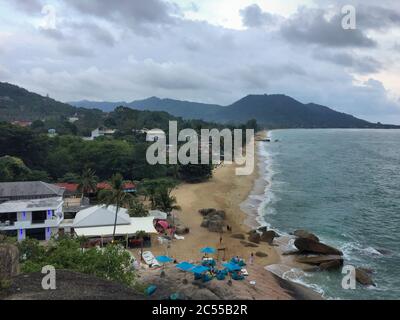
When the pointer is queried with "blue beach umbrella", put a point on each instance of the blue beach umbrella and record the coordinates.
(208, 250)
(232, 266)
(164, 259)
(185, 266)
(199, 269)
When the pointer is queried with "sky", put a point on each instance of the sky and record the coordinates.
(213, 51)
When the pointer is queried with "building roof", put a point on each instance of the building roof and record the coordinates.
(100, 215)
(31, 205)
(157, 214)
(136, 224)
(73, 187)
(27, 189)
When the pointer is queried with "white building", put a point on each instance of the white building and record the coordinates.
(35, 218)
(155, 135)
(98, 221)
(99, 132)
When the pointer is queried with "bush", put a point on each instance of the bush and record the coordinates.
(111, 263)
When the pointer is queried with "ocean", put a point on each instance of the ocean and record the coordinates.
(344, 186)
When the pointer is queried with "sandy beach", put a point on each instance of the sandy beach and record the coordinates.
(227, 191)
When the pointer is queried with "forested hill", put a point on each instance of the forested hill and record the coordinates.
(271, 111)
(19, 104)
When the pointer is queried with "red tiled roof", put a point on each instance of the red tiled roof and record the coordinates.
(70, 187)
(73, 187)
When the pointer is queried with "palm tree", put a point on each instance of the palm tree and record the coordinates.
(164, 201)
(88, 182)
(140, 235)
(115, 196)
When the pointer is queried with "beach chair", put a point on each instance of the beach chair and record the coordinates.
(150, 260)
(244, 272)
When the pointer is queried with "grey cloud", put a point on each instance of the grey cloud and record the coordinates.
(128, 12)
(28, 6)
(377, 18)
(55, 34)
(96, 32)
(359, 64)
(311, 26)
(74, 49)
(254, 17)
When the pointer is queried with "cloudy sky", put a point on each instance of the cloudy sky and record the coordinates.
(212, 51)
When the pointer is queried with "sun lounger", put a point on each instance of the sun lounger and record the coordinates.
(149, 258)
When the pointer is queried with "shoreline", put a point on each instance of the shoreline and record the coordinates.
(231, 193)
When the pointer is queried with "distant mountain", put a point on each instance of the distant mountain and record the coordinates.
(19, 104)
(271, 111)
(185, 109)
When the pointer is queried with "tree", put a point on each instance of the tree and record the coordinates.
(88, 182)
(115, 196)
(149, 187)
(137, 209)
(140, 235)
(164, 201)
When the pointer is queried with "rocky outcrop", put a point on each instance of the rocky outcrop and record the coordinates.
(305, 234)
(305, 245)
(213, 219)
(318, 260)
(254, 236)
(9, 261)
(268, 236)
(363, 277)
(216, 224)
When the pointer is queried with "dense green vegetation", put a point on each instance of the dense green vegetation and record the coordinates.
(31, 154)
(111, 262)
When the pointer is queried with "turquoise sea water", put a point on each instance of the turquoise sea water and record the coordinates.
(343, 185)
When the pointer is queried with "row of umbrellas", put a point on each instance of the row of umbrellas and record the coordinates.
(189, 267)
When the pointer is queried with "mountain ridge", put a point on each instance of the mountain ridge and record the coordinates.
(271, 111)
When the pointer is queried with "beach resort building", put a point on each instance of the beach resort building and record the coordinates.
(37, 210)
(35, 218)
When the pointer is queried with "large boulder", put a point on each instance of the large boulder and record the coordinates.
(9, 261)
(206, 212)
(220, 214)
(216, 224)
(263, 229)
(331, 265)
(305, 245)
(364, 277)
(205, 223)
(254, 237)
(321, 259)
(268, 236)
(305, 234)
